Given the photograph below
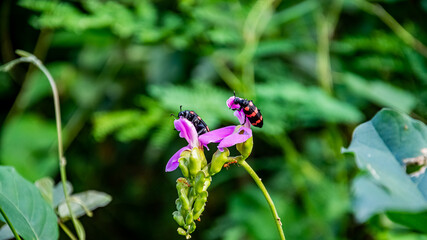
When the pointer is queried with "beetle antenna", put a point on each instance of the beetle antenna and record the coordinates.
(180, 108)
(234, 91)
(172, 115)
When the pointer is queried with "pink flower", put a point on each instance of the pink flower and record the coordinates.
(186, 130)
(231, 135)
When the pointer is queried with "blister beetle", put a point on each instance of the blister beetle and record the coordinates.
(250, 111)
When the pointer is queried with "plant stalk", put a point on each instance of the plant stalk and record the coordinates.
(10, 224)
(28, 57)
(258, 181)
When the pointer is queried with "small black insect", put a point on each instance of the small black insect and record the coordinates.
(250, 110)
(199, 124)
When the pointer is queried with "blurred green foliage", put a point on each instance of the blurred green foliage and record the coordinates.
(316, 69)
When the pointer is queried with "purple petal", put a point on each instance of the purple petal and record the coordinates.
(173, 161)
(240, 115)
(231, 104)
(242, 118)
(235, 138)
(187, 130)
(216, 135)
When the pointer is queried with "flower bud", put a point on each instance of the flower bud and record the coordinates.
(182, 186)
(178, 204)
(207, 183)
(197, 214)
(189, 218)
(183, 163)
(245, 148)
(200, 182)
(218, 160)
(181, 231)
(192, 227)
(195, 164)
(200, 201)
(185, 202)
(178, 218)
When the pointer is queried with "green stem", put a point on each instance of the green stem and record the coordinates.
(28, 57)
(258, 181)
(62, 160)
(10, 224)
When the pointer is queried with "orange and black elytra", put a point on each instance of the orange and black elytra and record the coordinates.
(250, 110)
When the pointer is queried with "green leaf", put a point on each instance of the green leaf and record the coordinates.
(381, 147)
(29, 213)
(83, 203)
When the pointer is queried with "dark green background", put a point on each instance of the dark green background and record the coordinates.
(122, 67)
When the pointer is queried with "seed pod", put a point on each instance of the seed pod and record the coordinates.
(218, 160)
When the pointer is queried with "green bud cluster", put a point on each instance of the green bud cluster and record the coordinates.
(192, 190)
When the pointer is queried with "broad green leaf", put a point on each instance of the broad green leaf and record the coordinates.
(381, 147)
(83, 203)
(381, 93)
(28, 144)
(29, 213)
